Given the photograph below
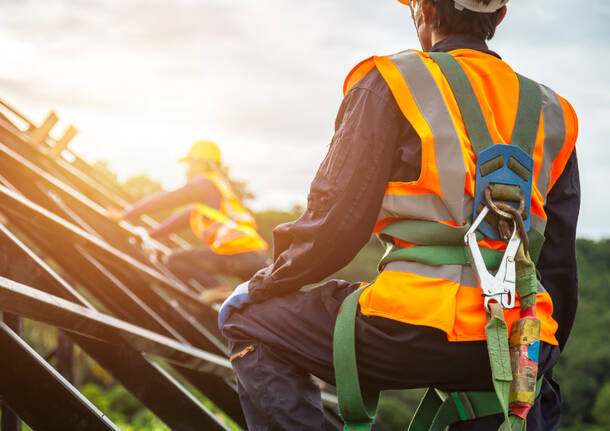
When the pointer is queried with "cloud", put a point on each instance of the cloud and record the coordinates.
(142, 79)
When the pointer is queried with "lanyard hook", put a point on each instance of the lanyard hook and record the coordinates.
(501, 286)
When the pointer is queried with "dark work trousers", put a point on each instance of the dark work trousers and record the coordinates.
(202, 264)
(292, 338)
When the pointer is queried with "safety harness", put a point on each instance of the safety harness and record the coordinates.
(502, 211)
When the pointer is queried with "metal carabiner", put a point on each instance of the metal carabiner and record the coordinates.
(501, 286)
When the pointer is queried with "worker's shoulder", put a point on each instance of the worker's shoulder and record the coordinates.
(370, 81)
(552, 100)
(367, 76)
(200, 182)
(199, 179)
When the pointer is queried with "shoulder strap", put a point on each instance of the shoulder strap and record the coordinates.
(470, 108)
(528, 115)
(528, 111)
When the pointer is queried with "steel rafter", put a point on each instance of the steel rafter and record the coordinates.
(147, 311)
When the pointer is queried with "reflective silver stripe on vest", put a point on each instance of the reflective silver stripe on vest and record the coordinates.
(538, 223)
(420, 207)
(541, 288)
(554, 136)
(447, 146)
(463, 275)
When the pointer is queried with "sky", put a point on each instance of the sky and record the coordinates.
(143, 79)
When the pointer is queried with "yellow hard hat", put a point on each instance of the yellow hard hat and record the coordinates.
(203, 150)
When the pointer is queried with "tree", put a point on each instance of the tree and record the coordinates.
(141, 186)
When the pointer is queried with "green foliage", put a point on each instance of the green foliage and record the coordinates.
(364, 266)
(102, 171)
(601, 408)
(584, 368)
(396, 408)
(269, 219)
(122, 408)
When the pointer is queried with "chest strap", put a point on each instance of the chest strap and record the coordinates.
(441, 244)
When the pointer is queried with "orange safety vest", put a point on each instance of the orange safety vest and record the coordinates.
(446, 297)
(229, 230)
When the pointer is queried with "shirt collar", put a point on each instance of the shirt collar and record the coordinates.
(462, 41)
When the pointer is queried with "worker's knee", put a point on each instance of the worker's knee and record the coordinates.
(285, 395)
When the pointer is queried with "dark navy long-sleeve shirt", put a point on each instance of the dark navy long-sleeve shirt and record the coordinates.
(372, 145)
(197, 189)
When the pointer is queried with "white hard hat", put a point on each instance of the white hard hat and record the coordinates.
(479, 6)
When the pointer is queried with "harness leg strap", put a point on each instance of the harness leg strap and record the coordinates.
(357, 409)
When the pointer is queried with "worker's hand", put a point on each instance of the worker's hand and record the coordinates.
(114, 214)
(238, 299)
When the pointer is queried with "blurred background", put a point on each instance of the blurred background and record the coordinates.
(143, 79)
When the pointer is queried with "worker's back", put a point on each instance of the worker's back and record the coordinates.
(443, 294)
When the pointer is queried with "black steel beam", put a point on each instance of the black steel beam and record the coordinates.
(65, 356)
(18, 262)
(10, 420)
(153, 386)
(71, 179)
(37, 305)
(60, 237)
(183, 325)
(90, 217)
(39, 394)
(24, 266)
(58, 168)
(42, 219)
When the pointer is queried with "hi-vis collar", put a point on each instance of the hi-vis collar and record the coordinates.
(473, 5)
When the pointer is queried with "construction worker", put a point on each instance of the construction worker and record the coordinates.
(402, 163)
(216, 217)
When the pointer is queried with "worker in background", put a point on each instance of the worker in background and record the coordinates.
(401, 152)
(216, 216)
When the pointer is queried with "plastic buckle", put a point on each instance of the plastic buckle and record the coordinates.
(503, 164)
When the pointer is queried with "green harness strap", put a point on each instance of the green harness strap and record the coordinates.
(528, 115)
(423, 232)
(357, 409)
(528, 110)
(496, 335)
(441, 244)
(439, 409)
